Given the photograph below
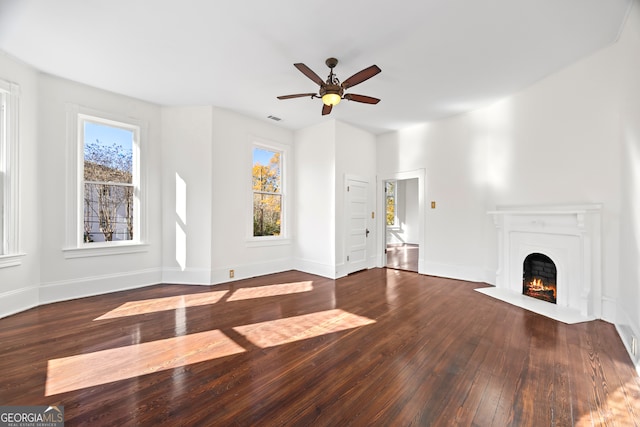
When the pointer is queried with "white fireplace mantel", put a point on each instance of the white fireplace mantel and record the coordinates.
(568, 234)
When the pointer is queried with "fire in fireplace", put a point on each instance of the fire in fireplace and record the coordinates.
(539, 277)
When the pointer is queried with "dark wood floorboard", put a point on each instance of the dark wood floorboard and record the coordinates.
(380, 347)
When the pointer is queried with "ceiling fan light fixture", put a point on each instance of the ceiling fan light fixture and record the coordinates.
(332, 91)
(331, 98)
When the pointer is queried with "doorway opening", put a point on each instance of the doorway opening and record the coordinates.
(402, 237)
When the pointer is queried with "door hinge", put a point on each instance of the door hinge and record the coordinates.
(348, 188)
(347, 257)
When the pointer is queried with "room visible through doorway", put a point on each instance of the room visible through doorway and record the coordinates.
(402, 217)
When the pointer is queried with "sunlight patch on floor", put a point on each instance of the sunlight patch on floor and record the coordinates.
(616, 407)
(134, 308)
(271, 290)
(105, 366)
(282, 331)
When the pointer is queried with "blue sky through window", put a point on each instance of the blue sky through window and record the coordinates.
(262, 156)
(108, 135)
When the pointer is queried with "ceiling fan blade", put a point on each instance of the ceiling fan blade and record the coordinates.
(309, 73)
(326, 109)
(361, 76)
(297, 95)
(361, 98)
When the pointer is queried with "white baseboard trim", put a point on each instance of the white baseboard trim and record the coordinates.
(18, 300)
(245, 271)
(97, 285)
(627, 329)
(189, 276)
(458, 272)
(312, 267)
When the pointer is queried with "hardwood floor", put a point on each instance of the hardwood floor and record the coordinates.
(403, 256)
(380, 347)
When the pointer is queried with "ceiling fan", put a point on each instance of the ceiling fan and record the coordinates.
(332, 91)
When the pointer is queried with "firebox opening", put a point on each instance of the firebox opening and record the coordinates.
(539, 277)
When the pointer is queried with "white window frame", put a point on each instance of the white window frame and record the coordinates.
(75, 245)
(283, 238)
(9, 203)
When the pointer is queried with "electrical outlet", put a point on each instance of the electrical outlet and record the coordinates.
(231, 274)
(634, 346)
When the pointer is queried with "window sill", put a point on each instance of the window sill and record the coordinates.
(104, 250)
(12, 260)
(267, 241)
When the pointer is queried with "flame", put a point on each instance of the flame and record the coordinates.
(536, 285)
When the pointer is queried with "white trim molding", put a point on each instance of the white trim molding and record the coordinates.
(570, 235)
(9, 173)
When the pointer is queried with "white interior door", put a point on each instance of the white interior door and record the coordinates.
(356, 228)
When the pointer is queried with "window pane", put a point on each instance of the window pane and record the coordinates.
(267, 192)
(108, 182)
(108, 212)
(390, 192)
(266, 171)
(108, 153)
(267, 209)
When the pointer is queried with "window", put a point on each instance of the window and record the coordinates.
(390, 203)
(8, 174)
(109, 182)
(268, 194)
(3, 170)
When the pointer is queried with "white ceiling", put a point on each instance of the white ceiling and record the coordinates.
(438, 57)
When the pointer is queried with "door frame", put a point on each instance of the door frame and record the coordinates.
(381, 241)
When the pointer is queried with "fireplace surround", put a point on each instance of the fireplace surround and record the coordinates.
(570, 236)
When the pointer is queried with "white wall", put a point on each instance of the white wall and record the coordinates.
(233, 136)
(355, 156)
(454, 159)
(19, 285)
(62, 277)
(208, 206)
(187, 194)
(326, 154)
(315, 200)
(628, 54)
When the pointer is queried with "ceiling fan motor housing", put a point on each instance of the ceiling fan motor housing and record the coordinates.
(331, 88)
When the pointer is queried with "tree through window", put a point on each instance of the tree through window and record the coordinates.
(109, 181)
(390, 203)
(267, 192)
